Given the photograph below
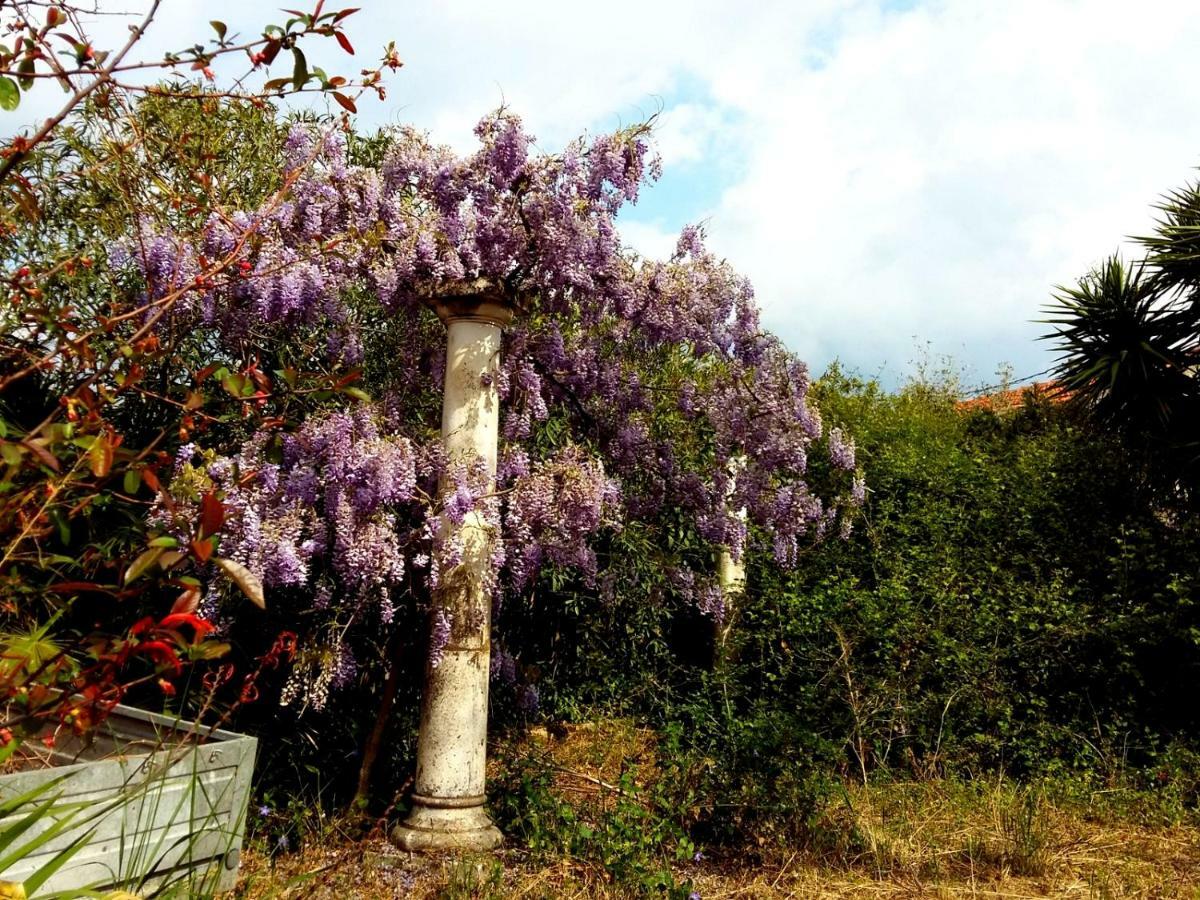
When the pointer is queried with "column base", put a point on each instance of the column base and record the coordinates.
(432, 828)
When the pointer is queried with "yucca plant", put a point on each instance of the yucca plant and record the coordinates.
(1127, 350)
(1128, 341)
(1174, 248)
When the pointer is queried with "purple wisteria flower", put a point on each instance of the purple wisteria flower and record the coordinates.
(626, 385)
(439, 636)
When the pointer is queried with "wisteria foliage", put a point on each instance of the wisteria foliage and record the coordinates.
(659, 369)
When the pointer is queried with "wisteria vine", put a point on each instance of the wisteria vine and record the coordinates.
(657, 372)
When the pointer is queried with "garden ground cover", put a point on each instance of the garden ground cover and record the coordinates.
(942, 838)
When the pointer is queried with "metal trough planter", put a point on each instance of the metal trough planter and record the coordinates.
(162, 806)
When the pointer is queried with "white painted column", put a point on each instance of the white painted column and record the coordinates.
(731, 573)
(448, 793)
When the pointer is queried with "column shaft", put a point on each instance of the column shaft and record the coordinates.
(452, 745)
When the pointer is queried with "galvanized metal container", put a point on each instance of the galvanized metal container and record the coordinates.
(165, 803)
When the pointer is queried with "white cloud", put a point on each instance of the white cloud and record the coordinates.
(926, 173)
(945, 167)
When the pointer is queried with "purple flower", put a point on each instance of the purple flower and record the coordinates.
(858, 491)
(528, 699)
(841, 450)
(625, 387)
(439, 637)
(503, 666)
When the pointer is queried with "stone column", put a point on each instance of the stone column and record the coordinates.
(731, 574)
(448, 794)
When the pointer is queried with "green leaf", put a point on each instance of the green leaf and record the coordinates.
(26, 69)
(235, 384)
(300, 72)
(244, 579)
(170, 558)
(60, 522)
(165, 541)
(219, 28)
(11, 453)
(42, 875)
(144, 561)
(133, 481)
(10, 94)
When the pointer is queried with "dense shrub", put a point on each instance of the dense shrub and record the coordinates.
(1015, 600)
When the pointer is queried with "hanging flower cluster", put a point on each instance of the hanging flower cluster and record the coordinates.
(552, 510)
(658, 371)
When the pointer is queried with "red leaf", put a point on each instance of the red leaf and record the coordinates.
(345, 102)
(344, 42)
(261, 380)
(43, 454)
(212, 514)
(205, 372)
(186, 602)
(75, 587)
(202, 626)
(162, 654)
(151, 480)
(346, 12)
(271, 51)
(202, 550)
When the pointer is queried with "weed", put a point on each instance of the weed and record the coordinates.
(475, 878)
(626, 830)
(1026, 833)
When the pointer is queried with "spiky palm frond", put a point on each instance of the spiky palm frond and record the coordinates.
(1128, 351)
(1173, 250)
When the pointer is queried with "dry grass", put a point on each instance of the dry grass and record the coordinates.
(936, 839)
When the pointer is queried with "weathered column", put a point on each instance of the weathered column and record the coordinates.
(731, 573)
(448, 794)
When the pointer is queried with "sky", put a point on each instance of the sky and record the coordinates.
(900, 180)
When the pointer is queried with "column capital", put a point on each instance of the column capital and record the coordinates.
(472, 301)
